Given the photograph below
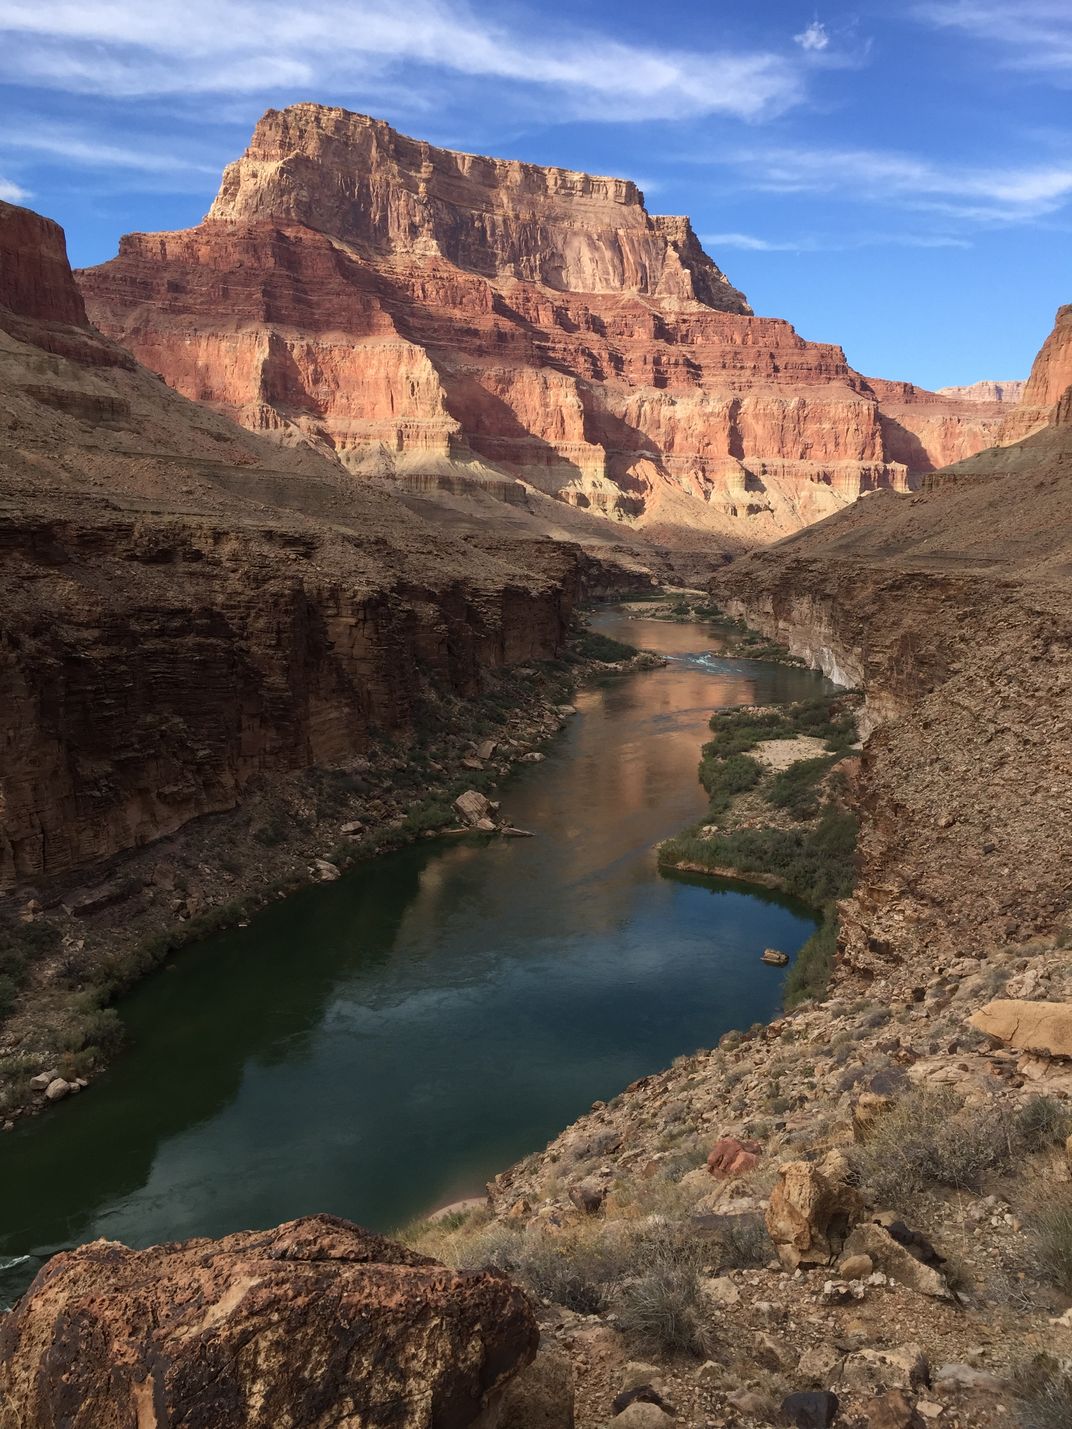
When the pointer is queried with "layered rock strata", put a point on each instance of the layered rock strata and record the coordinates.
(188, 607)
(472, 325)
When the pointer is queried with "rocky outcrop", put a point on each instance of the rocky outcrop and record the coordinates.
(476, 326)
(189, 608)
(1050, 379)
(986, 391)
(314, 1323)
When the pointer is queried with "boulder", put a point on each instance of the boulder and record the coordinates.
(534, 757)
(42, 1080)
(855, 1267)
(891, 1411)
(57, 1089)
(874, 1242)
(809, 1215)
(639, 1394)
(901, 1367)
(326, 871)
(485, 826)
(538, 1397)
(719, 1289)
(471, 807)
(640, 1415)
(486, 748)
(588, 1196)
(775, 958)
(755, 1406)
(730, 1157)
(1041, 1027)
(316, 1323)
(810, 1409)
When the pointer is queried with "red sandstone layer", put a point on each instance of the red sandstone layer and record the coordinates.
(443, 318)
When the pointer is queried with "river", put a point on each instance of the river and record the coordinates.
(381, 1045)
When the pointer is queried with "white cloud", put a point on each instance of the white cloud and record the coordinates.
(225, 46)
(813, 37)
(11, 192)
(840, 243)
(81, 148)
(1030, 34)
(996, 194)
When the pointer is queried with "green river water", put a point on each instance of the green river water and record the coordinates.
(382, 1045)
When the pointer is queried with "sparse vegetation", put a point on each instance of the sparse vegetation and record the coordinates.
(930, 1138)
(1043, 1387)
(1048, 1236)
(1043, 1122)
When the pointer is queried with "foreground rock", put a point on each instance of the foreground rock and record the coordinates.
(315, 1323)
(1040, 1027)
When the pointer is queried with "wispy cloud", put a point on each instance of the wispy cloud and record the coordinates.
(813, 37)
(11, 192)
(987, 195)
(829, 243)
(114, 48)
(78, 147)
(1030, 34)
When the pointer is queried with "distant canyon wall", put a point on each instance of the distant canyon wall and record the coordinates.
(422, 315)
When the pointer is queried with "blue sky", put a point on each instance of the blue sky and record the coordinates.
(894, 177)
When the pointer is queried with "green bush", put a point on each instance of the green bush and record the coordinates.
(816, 865)
(809, 976)
(590, 645)
(797, 789)
(723, 778)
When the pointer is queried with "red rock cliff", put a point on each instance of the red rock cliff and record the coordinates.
(426, 315)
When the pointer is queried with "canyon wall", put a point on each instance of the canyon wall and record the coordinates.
(952, 610)
(465, 324)
(188, 607)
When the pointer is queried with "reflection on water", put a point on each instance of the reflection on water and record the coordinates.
(382, 1044)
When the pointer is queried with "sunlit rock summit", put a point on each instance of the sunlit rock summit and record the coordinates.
(473, 326)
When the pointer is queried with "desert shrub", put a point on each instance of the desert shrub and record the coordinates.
(660, 1301)
(1043, 1122)
(1047, 1221)
(930, 1138)
(1043, 1388)
(590, 645)
(797, 789)
(744, 1242)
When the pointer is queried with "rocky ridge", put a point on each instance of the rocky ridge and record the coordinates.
(521, 338)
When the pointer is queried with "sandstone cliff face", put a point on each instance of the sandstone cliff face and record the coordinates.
(315, 1323)
(440, 318)
(986, 391)
(1051, 376)
(188, 608)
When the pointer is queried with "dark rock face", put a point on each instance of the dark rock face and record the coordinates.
(188, 606)
(315, 1323)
